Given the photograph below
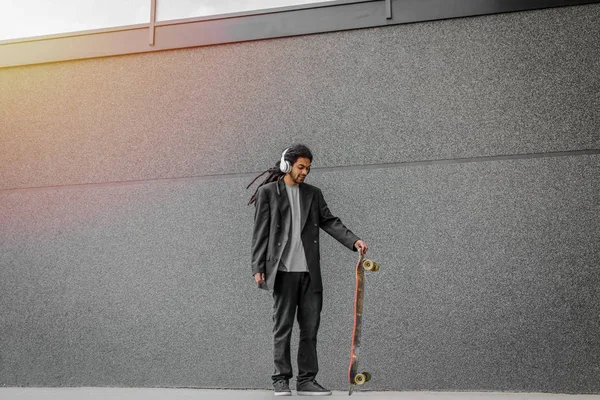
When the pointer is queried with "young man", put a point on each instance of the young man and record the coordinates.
(285, 259)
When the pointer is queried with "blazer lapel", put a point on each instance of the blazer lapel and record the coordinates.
(305, 201)
(284, 202)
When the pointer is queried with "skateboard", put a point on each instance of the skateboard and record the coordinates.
(354, 377)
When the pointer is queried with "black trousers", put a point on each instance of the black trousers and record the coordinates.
(293, 291)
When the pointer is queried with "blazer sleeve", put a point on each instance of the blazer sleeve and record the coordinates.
(260, 234)
(334, 226)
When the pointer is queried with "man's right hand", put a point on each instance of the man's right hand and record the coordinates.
(259, 277)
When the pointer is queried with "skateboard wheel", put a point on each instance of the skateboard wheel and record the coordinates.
(370, 265)
(360, 379)
(367, 376)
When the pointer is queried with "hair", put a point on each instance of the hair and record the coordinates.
(275, 174)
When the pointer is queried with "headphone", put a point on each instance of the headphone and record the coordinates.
(284, 165)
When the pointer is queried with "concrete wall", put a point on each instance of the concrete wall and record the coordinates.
(465, 152)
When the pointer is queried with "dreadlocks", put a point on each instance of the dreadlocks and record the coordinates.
(275, 174)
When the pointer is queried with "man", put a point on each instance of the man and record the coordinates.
(285, 259)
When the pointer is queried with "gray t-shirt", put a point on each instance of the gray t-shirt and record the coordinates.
(293, 258)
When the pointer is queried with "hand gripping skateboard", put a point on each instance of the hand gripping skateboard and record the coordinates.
(353, 376)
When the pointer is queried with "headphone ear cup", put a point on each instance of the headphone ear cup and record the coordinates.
(284, 165)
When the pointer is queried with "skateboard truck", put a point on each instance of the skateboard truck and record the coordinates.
(354, 377)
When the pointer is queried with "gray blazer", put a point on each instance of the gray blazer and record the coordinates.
(272, 226)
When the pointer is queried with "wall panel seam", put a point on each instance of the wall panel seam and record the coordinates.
(250, 175)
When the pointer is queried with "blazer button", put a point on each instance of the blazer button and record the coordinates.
(279, 244)
(316, 225)
(315, 241)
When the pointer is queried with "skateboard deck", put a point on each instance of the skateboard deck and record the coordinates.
(354, 377)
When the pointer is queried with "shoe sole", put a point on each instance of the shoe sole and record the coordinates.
(314, 393)
(283, 393)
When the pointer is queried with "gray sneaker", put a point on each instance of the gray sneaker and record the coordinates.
(312, 388)
(282, 388)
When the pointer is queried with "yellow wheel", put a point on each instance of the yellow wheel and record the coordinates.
(370, 265)
(360, 379)
(367, 376)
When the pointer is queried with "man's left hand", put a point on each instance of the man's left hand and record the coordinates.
(361, 246)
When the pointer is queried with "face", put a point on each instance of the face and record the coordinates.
(300, 169)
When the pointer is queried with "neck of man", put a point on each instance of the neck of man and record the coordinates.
(288, 179)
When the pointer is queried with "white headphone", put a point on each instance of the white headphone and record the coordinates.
(284, 165)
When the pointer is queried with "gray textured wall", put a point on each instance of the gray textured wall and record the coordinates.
(124, 235)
